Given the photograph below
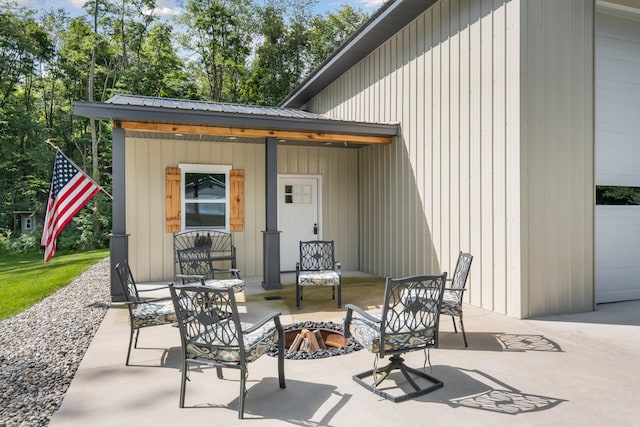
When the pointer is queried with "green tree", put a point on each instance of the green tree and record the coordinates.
(162, 71)
(280, 58)
(219, 32)
(24, 45)
(327, 33)
(130, 23)
(294, 42)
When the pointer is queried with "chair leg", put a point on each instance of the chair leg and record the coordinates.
(130, 342)
(340, 295)
(243, 390)
(464, 336)
(298, 295)
(135, 344)
(183, 380)
(281, 360)
(453, 319)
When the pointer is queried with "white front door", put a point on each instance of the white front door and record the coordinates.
(298, 215)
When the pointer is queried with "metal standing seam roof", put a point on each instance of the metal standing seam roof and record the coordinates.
(136, 108)
(219, 107)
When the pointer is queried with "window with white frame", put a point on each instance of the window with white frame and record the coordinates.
(205, 196)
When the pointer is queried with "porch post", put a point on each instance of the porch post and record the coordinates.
(119, 239)
(271, 236)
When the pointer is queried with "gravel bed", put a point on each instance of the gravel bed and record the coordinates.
(41, 348)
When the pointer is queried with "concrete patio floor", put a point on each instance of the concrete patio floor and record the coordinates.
(570, 370)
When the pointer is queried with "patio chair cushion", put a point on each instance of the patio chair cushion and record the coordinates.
(256, 343)
(451, 303)
(368, 335)
(153, 313)
(321, 277)
(236, 284)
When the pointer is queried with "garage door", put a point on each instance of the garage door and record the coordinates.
(617, 216)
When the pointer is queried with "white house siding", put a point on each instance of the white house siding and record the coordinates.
(151, 247)
(557, 142)
(485, 143)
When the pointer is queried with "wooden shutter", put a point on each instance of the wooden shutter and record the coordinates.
(236, 198)
(173, 200)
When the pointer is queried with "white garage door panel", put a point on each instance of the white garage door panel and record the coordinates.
(617, 156)
(617, 107)
(621, 287)
(618, 161)
(617, 253)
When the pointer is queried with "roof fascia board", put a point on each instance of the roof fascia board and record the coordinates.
(220, 119)
(285, 135)
(387, 21)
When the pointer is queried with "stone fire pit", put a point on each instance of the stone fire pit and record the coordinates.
(325, 329)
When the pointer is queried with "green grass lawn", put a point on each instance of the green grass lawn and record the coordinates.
(26, 279)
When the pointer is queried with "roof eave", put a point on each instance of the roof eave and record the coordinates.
(149, 114)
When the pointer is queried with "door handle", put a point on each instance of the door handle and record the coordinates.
(315, 228)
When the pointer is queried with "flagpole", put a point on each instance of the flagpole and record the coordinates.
(48, 141)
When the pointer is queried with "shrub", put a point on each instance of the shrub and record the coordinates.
(26, 242)
(5, 242)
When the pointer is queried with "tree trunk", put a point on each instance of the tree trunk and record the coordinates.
(92, 121)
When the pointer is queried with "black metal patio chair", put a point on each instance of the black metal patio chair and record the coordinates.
(143, 313)
(408, 322)
(196, 265)
(317, 267)
(212, 333)
(452, 299)
(222, 251)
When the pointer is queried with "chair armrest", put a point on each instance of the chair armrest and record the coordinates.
(458, 293)
(361, 312)
(338, 267)
(153, 289)
(147, 301)
(347, 320)
(275, 316)
(234, 271)
(191, 276)
(351, 308)
(156, 299)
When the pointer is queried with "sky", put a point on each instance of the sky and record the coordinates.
(168, 8)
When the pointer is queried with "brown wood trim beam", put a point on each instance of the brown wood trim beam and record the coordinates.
(252, 133)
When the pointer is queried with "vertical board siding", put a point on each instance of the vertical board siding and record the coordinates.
(151, 247)
(515, 247)
(557, 145)
(494, 152)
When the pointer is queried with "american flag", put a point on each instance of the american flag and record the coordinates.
(71, 189)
